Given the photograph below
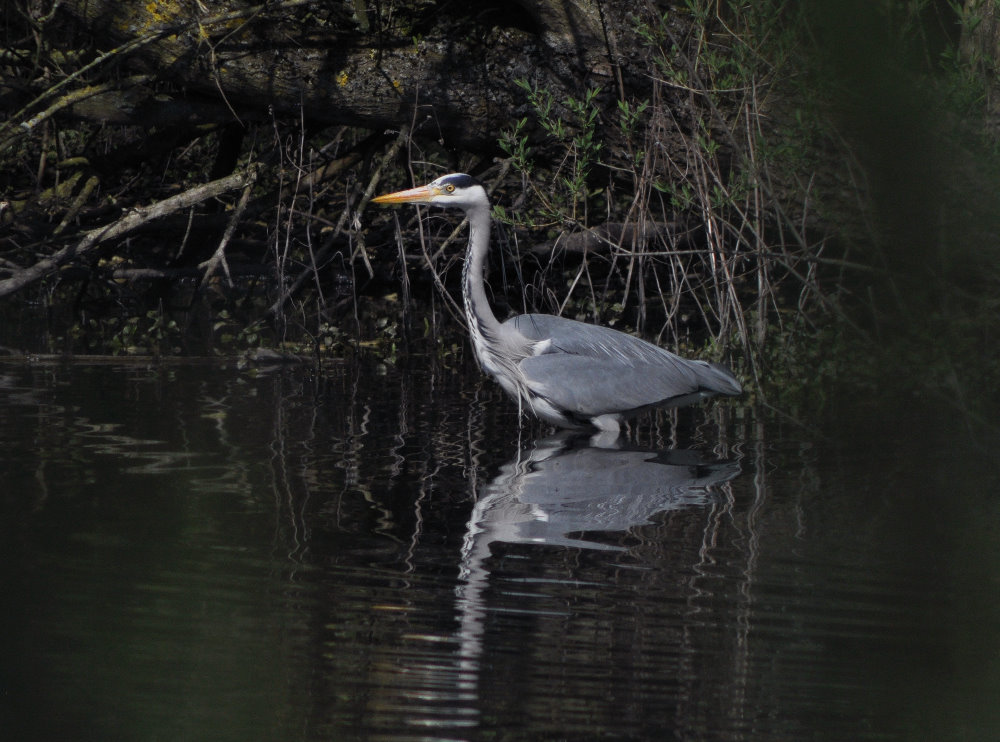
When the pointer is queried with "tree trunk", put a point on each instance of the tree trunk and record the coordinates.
(450, 73)
(980, 47)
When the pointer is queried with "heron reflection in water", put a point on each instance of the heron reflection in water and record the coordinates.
(568, 373)
(563, 489)
(561, 493)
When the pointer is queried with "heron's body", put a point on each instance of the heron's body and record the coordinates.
(568, 373)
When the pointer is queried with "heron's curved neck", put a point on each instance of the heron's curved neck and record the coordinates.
(478, 313)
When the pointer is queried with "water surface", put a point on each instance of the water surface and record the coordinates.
(195, 551)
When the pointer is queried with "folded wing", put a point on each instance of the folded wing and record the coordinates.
(589, 370)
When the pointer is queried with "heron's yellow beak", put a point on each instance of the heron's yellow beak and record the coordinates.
(421, 195)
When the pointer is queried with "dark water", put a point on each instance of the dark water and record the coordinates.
(194, 552)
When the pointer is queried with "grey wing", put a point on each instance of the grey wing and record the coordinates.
(588, 387)
(579, 338)
(592, 370)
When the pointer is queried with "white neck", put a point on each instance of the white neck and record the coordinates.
(478, 313)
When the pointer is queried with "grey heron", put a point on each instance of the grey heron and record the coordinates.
(568, 373)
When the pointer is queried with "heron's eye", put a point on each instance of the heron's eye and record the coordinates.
(450, 188)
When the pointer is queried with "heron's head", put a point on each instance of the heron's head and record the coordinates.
(457, 190)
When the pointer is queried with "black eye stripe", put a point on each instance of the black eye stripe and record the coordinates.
(460, 180)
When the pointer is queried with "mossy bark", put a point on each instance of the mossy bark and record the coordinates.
(449, 70)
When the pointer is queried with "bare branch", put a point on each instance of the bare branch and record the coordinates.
(131, 221)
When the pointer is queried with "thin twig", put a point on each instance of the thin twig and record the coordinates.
(219, 256)
(325, 250)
